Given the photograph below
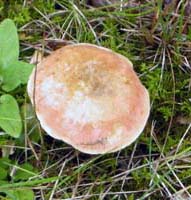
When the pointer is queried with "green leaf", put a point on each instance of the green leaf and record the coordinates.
(4, 163)
(17, 73)
(28, 183)
(3, 173)
(20, 194)
(2, 182)
(10, 119)
(9, 43)
(24, 172)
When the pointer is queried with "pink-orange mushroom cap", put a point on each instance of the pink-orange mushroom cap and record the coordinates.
(90, 97)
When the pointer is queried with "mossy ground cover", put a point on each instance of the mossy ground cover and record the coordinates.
(156, 36)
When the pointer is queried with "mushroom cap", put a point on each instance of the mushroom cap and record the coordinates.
(90, 97)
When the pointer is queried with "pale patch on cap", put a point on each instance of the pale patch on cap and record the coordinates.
(53, 92)
(83, 109)
(117, 133)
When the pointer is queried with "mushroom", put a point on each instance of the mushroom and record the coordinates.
(89, 97)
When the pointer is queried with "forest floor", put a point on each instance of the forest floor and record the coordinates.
(156, 36)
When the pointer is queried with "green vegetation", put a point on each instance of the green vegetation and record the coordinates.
(157, 38)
